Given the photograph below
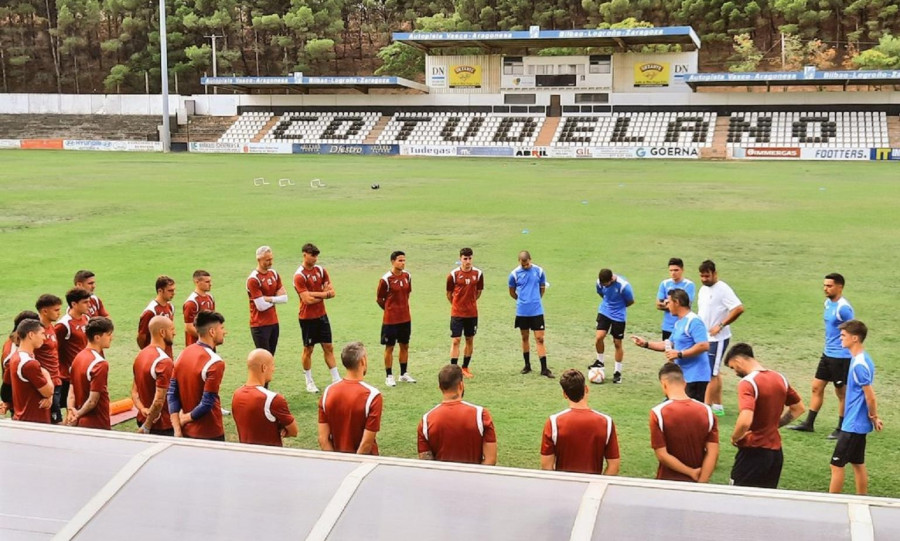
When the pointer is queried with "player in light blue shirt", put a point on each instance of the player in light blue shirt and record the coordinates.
(617, 297)
(527, 283)
(687, 345)
(675, 281)
(835, 360)
(860, 416)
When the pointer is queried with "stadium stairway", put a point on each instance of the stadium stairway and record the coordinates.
(545, 137)
(202, 129)
(718, 150)
(893, 123)
(265, 129)
(372, 138)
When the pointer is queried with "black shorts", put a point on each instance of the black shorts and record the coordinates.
(391, 334)
(850, 448)
(530, 323)
(615, 328)
(757, 467)
(463, 326)
(666, 335)
(265, 337)
(315, 331)
(833, 369)
(697, 390)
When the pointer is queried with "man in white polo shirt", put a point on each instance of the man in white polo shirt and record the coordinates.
(718, 307)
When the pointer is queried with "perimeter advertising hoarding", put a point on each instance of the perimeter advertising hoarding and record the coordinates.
(228, 148)
(883, 154)
(112, 146)
(427, 150)
(773, 153)
(843, 154)
(484, 151)
(368, 150)
(10, 143)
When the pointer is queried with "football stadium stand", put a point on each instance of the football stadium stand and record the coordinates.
(629, 129)
(453, 128)
(106, 127)
(809, 129)
(322, 127)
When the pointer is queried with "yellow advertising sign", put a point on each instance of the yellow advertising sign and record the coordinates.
(651, 74)
(465, 76)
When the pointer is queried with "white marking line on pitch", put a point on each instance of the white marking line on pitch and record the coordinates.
(339, 501)
(109, 490)
(860, 522)
(587, 511)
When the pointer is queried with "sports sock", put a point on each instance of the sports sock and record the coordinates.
(811, 418)
(527, 356)
(389, 371)
(466, 360)
(619, 367)
(840, 423)
(335, 376)
(454, 360)
(717, 407)
(600, 358)
(403, 368)
(308, 374)
(543, 363)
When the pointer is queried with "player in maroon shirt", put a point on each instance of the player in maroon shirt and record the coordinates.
(684, 433)
(48, 308)
(265, 290)
(194, 405)
(199, 299)
(262, 417)
(766, 402)
(350, 410)
(578, 439)
(313, 286)
(70, 337)
(161, 305)
(392, 296)
(86, 279)
(89, 400)
(454, 430)
(152, 371)
(10, 347)
(28, 388)
(464, 286)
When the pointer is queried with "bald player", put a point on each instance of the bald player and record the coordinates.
(152, 370)
(262, 416)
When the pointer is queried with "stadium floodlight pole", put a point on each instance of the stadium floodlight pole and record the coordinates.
(164, 137)
(214, 63)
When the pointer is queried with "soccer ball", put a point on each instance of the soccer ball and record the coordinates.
(596, 374)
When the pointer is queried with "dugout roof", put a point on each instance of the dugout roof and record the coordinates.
(302, 85)
(807, 77)
(498, 42)
(69, 483)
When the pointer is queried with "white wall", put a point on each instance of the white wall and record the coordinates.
(85, 104)
(227, 104)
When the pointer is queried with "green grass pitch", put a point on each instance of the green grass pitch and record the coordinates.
(774, 229)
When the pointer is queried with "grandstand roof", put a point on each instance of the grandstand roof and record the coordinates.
(497, 42)
(114, 485)
(807, 77)
(302, 84)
